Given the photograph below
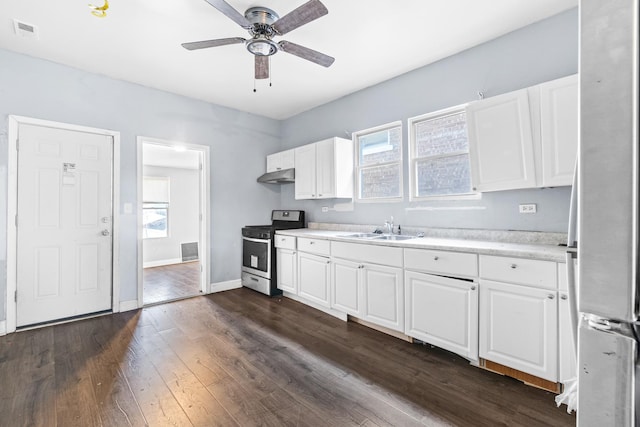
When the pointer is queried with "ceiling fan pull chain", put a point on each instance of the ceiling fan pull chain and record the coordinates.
(270, 71)
(254, 86)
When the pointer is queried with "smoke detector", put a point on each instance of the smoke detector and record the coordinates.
(23, 29)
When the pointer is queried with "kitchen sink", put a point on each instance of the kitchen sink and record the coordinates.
(394, 237)
(363, 235)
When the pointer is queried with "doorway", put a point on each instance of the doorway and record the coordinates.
(62, 189)
(173, 207)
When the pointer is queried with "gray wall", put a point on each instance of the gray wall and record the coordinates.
(45, 90)
(541, 52)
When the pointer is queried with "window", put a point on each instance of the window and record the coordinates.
(155, 207)
(439, 158)
(379, 163)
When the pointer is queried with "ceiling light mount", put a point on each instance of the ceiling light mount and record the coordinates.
(262, 46)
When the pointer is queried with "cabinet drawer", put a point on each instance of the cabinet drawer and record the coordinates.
(454, 264)
(285, 242)
(542, 274)
(374, 254)
(314, 246)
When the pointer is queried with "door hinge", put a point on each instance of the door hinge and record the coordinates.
(200, 166)
(15, 296)
(17, 144)
(16, 220)
(200, 217)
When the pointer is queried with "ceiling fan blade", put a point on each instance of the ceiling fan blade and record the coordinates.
(311, 10)
(212, 43)
(262, 67)
(230, 12)
(306, 53)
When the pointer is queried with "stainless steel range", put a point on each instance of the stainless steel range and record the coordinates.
(258, 251)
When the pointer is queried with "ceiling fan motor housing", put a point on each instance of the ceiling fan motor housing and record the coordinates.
(262, 20)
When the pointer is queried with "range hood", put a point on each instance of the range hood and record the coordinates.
(278, 177)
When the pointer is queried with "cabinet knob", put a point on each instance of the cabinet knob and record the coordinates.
(319, 195)
(361, 266)
(564, 297)
(473, 288)
(293, 253)
(278, 169)
(550, 296)
(513, 265)
(313, 195)
(435, 258)
(328, 261)
(312, 243)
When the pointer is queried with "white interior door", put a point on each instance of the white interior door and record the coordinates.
(64, 224)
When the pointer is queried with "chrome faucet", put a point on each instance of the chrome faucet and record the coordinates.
(389, 226)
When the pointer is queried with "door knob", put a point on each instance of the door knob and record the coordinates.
(105, 232)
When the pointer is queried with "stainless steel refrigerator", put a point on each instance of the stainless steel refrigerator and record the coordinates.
(607, 214)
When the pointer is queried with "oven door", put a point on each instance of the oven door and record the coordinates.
(256, 256)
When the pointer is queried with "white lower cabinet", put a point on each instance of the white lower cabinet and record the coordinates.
(383, 296)
(443, 312)
(345, 286)
(287, 270)
(314, 278)
(566, 349)
(519, 327)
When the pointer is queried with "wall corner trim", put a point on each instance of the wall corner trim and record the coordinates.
(3, 327)
(225, 286)
(128, 305)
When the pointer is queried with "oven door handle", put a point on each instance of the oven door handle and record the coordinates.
(256, 240)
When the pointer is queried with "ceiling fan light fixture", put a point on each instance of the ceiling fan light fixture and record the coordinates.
(262, 47)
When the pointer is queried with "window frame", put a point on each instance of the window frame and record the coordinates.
(413, 160)
(155, 207)
(167, 205)
(357, 167)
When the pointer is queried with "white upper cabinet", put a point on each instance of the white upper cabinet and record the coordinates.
(280, 161)
(527, 138)
(501, 142)
(324, 169)
(305, 183)
(559, 130)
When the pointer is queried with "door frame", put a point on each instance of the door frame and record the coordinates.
(14, 123)
(205, 207)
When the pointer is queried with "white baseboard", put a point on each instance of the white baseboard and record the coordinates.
(335, 313)
(226, 286)
(128, 305)
(3, 327)
(162, 262)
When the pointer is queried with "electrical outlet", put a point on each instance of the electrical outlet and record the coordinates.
(529, 208)
(325, 209)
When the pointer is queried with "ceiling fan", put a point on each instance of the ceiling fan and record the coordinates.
(263, 25)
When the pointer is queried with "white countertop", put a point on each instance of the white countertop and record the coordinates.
(543, 252)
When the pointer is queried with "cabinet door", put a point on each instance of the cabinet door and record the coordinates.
(287, 159)
(273, 162)
(345, 286)
(286, 269)
(567, 358)
(383, 296)
(518, 328)
(559, 130)
(305, 161)
(501, 142)
(442, 312)
(313, 278)
(325, 169)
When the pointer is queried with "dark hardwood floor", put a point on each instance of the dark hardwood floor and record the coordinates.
(170, 282)
(239, 358)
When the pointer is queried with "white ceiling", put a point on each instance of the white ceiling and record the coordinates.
(372, 41)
